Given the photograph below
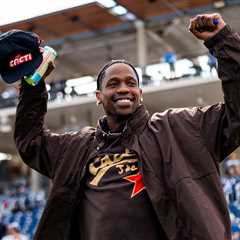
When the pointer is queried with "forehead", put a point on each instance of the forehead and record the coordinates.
(119, 70)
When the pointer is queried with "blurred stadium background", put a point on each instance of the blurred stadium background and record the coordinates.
(86, 37)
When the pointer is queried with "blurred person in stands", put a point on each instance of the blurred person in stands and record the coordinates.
(233, 156)
(17, 207)
(137, 176)
(235, 232)
(170, 58)
(233, 168)
(197, 67)
(212, 62)
(3, 230)
(14, 233)
(230, 181)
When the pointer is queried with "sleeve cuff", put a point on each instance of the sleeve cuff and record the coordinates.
(210, 43)
(40, 87)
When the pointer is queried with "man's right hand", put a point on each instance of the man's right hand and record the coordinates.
(50, 68)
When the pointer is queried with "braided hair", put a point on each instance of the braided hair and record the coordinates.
(102, 72)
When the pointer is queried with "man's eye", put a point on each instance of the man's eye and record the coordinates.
(112, 84)
(132, 84)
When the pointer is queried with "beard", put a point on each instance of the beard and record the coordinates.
(123, 117)
(119, 117)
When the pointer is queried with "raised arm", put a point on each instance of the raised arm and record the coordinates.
(38, 147)
(220, 124)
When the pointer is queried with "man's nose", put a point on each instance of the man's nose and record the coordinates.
(123, 88)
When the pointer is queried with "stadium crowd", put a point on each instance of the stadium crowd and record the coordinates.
(21, 208)
(20, 211)
(231, 188)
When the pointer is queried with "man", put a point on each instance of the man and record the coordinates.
(137, 176)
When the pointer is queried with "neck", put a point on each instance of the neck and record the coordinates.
(16, 236)
(114, 123)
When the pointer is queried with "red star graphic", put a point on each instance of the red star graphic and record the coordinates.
(138, 183)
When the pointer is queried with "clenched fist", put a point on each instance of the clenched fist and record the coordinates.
(205, 26)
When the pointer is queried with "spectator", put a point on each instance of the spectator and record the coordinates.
(17, 207)
(197, 67)
(233, 168)
(14, 232)
(170, 58)
(2, 230)
(235, 232)
(230, 180)
(212, 62)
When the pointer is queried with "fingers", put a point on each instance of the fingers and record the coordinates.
(202, 23)
(50, 68)
(205, 26)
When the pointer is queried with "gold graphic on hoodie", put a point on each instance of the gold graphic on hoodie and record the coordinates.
(123, 162)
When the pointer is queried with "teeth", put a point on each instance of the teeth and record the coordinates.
(123, 100)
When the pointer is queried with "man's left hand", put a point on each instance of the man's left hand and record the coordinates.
(205, 26)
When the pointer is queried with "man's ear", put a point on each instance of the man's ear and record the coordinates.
(98, 96)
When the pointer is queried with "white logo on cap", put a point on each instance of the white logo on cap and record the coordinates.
(19, 59)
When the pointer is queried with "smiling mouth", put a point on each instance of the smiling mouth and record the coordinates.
(124, 100)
